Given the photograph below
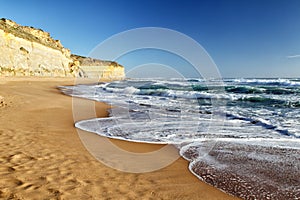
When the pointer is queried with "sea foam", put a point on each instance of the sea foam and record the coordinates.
(241, 135)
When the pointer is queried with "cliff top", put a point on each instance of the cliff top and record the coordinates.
(30, 33)
(86, 61)
(44, 38)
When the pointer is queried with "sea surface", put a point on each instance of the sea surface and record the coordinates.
(240, 135)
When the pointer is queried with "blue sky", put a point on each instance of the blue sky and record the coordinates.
(244, 38)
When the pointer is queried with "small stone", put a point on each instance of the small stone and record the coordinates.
(2, 103)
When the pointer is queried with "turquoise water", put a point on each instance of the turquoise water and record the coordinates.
(240, 135)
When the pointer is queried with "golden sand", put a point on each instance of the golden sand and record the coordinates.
(42, 157)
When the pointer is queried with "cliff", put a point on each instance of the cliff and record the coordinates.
(27, 51)
(94, 68)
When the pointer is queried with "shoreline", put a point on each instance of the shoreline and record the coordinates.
(42, 154)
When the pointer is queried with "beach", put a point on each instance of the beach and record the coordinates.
(42, 156)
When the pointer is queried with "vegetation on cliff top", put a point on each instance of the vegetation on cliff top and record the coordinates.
(38, 35)
(86, 61)
(30, 33)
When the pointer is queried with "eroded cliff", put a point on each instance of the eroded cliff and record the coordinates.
(27, 51)
(94, 68)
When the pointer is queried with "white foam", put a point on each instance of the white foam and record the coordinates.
(176, 117)
(280, 81)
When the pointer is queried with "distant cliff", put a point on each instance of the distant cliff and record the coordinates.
(95, 68)
(27, 51)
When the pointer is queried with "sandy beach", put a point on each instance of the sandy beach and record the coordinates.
(42, 156)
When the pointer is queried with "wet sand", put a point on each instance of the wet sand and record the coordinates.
(42, 156)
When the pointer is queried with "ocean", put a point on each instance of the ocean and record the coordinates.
(239, 135)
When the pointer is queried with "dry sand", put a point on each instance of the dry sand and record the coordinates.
(42, 157)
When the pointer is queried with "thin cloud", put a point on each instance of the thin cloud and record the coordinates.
(294, 56)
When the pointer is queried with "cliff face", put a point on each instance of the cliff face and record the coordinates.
(26, 51)
(94, 68)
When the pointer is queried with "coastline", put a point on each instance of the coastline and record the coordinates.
(42, 154)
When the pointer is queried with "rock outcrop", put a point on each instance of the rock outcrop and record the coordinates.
(27, 51)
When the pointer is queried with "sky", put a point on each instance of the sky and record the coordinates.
(245, 38)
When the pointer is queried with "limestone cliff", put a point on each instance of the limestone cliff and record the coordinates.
(95, 68)
(27, 51)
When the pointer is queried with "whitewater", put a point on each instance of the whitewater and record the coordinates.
(240, 135)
